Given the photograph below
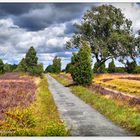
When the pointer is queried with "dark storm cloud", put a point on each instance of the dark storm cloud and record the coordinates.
(70, 28)
(38, 16)
(16, 9)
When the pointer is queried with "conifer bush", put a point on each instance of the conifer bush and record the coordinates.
(81, 70)
(111, 67)
(99, 68)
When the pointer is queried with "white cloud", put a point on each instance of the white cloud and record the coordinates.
(15, 41)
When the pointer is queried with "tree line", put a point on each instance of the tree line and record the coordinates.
(29, 64)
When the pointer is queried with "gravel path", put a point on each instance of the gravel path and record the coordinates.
(79, 116)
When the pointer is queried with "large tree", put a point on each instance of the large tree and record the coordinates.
(108, 32)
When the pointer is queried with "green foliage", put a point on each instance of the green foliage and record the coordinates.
(21, 118)
(22, 67)
(99, 68)
(108, 32)
(63, 70)
(31, 58)
(120, 70)
(111, 67)
(49, 123)
(137, 70)
(81, 71)
(56, 65)
(9, 67)
(54, 129)
(49, 69)
(29, 64)
(68, 68)
(36, 70)
(1, 66)
(19, 122)
(131, 67)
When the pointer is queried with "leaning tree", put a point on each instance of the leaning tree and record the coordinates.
(109, 34)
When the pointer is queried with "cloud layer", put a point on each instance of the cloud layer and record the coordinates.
(46, 27)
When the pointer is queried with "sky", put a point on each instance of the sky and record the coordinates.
(47, 27)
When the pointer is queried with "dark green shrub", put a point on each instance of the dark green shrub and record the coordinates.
(81, 65)
(111, 67)
(131, 67)
(1, 66)
(99, 68)
(137, 70)
(68, 68)
(9, 67)
(63, 70)
(36, 70)
(21, 66)
(49, 69)
(120, 70)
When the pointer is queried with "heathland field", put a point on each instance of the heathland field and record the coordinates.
(27, 107)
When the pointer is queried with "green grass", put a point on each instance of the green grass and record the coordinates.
(120, 114)
(46, 111)
(41, 118)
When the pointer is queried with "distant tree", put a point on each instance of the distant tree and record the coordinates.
(81, 70)
(68, 68)
(49, 68)
(9, 67)
(63, 70)
(31, 59)
(111, 67)
(31, 63)
(1, 66)
(56, 65)
(13, 67)
(131, 67)
(22, 67)
(99, 69)
(137, 70)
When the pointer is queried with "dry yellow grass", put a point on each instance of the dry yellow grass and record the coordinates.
(113, 76)
(124, 85)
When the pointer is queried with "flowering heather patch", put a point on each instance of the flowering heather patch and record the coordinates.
(15, 90)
